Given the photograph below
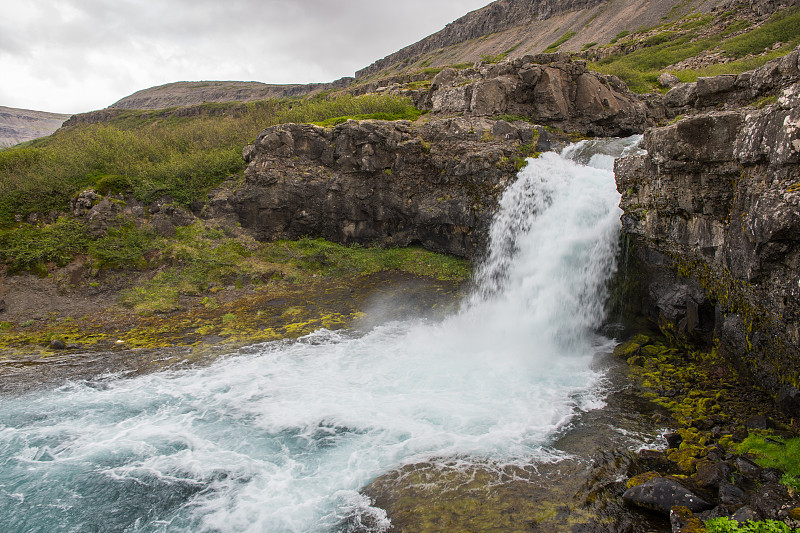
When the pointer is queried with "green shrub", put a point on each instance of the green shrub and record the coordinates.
(726, 525)
(561, 40)
(28, 247)
(620, 35)
(160, 152)
(122, 247)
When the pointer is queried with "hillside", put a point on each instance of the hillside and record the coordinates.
(185, 93)
(20, 125)
(518, 27)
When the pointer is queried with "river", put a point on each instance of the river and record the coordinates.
(282, 436)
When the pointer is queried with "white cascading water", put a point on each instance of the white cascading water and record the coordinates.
(282, 436)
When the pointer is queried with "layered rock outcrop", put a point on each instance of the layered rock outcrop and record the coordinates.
(397, 183)
(549, 88)
(713, 210)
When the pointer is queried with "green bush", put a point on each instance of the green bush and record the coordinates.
(726, 525)
(561, 40)
(28, 247)
(620, 35)
(122, 247)
(162, 152)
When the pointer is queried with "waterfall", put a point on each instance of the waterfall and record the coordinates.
(281, 436)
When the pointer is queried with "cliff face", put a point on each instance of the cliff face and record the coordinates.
(436, 182)
(20, 125)
(713, 211)
(378, 182)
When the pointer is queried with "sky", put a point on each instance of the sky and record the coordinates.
(72, 56)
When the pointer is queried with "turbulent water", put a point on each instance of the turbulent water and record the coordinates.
(281, 436)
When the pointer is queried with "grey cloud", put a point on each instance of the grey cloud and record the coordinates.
(127, 45)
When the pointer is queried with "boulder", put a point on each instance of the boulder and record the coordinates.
(550, 89)
(661, 494)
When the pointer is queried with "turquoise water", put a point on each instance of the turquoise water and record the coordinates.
(281, 436)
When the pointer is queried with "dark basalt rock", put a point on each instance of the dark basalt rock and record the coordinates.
(712, 474)
(713, 214)
(379, 182)
(661, 494)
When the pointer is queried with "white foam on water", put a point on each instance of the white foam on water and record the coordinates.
(282, 438)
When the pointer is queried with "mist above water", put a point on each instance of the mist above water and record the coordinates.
(281, 436)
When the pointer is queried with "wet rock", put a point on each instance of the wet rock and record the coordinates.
(673, 439)
(683, 520)
(656, 460)
(661, 494)
(759, 422)
(711, 474)
(748, 468)
(745, 514)
(770, 499)
(739, 434)
(731, 494)
(770, 475)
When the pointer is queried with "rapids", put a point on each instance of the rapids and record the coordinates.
(282, 436)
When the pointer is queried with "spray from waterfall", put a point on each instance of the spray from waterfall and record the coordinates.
(283, 436)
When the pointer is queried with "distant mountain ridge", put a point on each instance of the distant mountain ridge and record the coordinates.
(185, 93)
(20, 125)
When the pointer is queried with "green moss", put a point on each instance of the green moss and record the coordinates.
(774, 452)
(728, 525)
(641, 478)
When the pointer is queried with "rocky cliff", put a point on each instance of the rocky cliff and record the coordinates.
(20, 125)
(396, 183)
(713, 212)
(435, 182)
(550, 89)
(515, 28)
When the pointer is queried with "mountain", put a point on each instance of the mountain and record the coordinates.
(515, 28)
(184, 93)
(20, 125)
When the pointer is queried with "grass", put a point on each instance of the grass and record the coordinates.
(640, 69)
(774, 452)
(156, 153)
(561, 40)
(781, 28)
(201, 260)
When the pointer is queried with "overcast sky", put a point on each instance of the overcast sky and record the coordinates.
(71, 56)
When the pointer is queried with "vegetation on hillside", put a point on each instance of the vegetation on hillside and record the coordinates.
(157, 153)
(671, 43)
